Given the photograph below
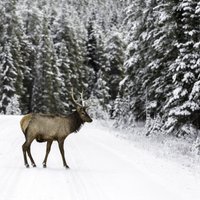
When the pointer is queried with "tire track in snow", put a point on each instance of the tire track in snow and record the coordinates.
(10, 170)
(8, 183)
(99, 141)
(83, 174)
(45, 184)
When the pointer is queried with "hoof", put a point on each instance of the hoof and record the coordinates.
(34, 165)
(27, 165)
(44, 166)
(66, 166)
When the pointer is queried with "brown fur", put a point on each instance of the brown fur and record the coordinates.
(47, 128)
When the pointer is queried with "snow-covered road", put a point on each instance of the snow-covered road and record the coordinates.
(102, 167)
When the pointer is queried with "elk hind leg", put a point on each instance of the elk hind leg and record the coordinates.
(24, 149)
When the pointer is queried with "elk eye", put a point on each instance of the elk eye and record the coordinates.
(83, 113)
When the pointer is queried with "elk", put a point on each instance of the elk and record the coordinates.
(49, 128)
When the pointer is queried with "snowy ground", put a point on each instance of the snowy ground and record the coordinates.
(102, 167)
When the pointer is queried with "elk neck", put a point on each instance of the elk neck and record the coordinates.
(75, 122)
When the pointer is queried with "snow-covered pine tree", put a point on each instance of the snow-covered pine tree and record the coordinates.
(122, 107)
(65, 73)
(30, 17)
(160, 54)
(135, 62)
(114, 72)
(46, 87)
(194, 96)
(11, 58)
(182, 104)
(92, 53)
(8, 78)
(114, 55)
(69, 46)
(13, 107)
(100, 93)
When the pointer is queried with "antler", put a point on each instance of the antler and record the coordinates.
(73, 99)
(82, 100)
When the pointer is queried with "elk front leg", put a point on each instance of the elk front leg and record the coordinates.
(61, 147)
(26, 149)
(30, 156)
(49, 143)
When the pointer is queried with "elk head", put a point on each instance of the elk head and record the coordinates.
(81, 108)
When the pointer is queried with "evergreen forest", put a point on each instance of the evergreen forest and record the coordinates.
(135, 60)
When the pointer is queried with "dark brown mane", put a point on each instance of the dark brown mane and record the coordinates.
(76, 122)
